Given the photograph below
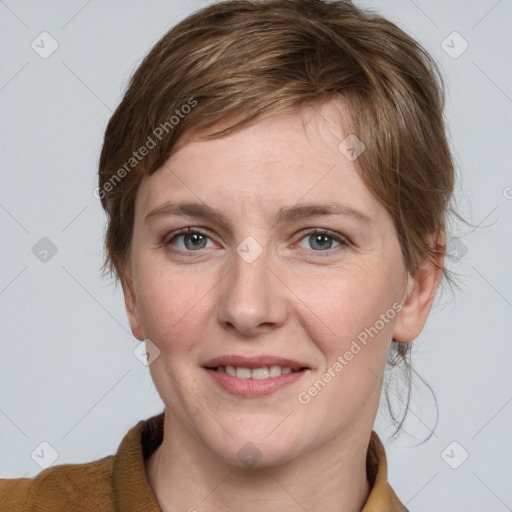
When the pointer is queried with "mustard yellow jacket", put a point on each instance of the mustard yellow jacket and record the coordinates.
(118, 482)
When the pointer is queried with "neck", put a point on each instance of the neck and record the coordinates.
(328, 479)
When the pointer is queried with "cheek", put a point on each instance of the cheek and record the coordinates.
(354, 304)
(352, 327)
(171, 305)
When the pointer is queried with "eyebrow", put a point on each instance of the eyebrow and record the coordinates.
(285, 214)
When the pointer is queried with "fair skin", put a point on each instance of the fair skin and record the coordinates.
(306, 297)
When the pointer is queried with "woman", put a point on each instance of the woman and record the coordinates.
(276, 217)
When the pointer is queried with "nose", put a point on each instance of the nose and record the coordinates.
(252, 298)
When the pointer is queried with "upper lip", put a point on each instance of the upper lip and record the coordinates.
(254, 362)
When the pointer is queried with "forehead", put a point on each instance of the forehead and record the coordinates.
(281, 160)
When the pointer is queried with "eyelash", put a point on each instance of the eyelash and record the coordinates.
(189, 230)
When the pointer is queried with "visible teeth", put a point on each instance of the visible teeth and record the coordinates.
(243, 373)
(256, 373)
(275, 371)
(259, 373)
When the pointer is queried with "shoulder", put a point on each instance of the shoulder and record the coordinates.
(77, 487)
(116, 482)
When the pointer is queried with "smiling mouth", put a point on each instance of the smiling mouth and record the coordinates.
(264, 372)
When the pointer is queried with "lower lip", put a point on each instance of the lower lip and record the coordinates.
(253, 387)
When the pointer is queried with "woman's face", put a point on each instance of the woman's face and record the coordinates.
(266, 279)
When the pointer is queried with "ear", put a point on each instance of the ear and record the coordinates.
(130, 302)
(420, 293)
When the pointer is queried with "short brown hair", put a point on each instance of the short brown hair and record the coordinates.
(244, 60)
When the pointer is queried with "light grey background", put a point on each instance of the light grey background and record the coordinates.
(68, 375)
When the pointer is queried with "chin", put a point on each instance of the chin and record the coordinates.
(246, 450)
